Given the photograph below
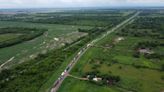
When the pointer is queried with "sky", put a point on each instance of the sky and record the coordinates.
(77, 3)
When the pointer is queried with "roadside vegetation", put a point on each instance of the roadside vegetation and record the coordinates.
(59, 25)
(130, 59)
(33, 74)
(39, 73)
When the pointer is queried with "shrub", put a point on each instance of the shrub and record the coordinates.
(162, 67)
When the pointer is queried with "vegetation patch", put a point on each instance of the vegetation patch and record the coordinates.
(121, 64)
(106, 79)
(34, 70)
(14, 35)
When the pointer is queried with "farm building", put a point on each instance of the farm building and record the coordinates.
(145, 51)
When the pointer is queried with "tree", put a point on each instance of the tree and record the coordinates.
(136, 54)
(162, 67)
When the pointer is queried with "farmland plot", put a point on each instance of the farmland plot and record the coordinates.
(30, 49)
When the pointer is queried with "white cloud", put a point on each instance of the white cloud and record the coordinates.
(145, 1)
(75, 3)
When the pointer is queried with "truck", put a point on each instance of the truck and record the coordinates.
(63, 73)
(88, 45)
(79, 52)
(67, 68)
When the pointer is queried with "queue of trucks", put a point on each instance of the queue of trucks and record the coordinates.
(66, 71)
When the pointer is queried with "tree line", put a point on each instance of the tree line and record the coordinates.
(26, 34)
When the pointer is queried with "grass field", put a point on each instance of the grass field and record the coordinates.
(73, 20)
(23, 51)
(75, 17)
(109, 56)
(132, 79)
(75, 85)
(136, 74)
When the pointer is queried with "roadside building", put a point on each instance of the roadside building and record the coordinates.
(97, 79)
(145, 51)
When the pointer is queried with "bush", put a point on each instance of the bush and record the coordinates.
(136, 54)
(153, 56)
(162, 77)
(120, 67)
(162, 67)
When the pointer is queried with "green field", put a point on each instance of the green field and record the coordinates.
(44, 69)
(9, 36)
(131, 59)
(39, 73)
(137, 74)
(96, 18)
(23, 51)
(58, 24)
(75, 85)
(132, 78)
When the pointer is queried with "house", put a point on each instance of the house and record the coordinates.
(145, 51)
(97, 79)
(56, 39)
(120, 38)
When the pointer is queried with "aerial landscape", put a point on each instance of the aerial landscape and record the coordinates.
(81, 46)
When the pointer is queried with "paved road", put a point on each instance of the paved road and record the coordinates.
(65, 73)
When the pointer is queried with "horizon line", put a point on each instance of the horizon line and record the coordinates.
(85, 7)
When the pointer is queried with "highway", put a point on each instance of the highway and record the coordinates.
(67, 70)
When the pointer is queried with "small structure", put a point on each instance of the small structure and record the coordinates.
(56, 39)
(117, 40)
(120, 38)
(145, 51)
(97, 79)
